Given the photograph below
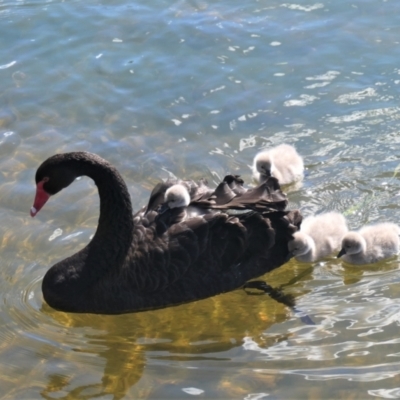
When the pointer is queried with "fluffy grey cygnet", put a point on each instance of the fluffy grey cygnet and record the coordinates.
(282, 162)
(175, 206)
(177, 196)
(370, 244)
(318, 237)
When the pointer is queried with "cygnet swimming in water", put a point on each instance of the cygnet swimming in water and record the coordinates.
(282, 162)
(318, 237)
(370, 244)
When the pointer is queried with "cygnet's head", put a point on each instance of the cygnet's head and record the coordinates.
(176, 196)
(263, 164)
(352, 243)
(300, 244)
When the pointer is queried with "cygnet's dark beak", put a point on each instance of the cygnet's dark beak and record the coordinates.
(267, 173)
(341, 252)
(164, 207)
(289, 256)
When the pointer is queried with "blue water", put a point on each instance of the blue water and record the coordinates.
(195, 89)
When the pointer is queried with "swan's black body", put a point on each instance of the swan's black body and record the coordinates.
(134, 264)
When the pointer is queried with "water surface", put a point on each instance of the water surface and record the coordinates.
(195, 89)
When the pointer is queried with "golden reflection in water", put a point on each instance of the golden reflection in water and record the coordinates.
(123, 344)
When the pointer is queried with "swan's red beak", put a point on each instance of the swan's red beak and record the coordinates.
(40, 199)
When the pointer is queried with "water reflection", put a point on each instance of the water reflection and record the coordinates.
(201, 332)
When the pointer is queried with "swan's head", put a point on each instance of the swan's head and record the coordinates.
(176, 196)
(300, 244)
(352, 243)
(263, 165)
(55, 174)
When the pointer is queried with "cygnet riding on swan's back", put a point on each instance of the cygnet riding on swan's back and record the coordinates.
(370, 244)
(318, 237)
(132, 265)
(282, 162)
(174, 208)
(177, 196)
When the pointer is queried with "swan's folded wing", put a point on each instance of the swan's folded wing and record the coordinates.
(235, 183)
(265, 197)
(228, 196)
(223, 194)
(199, 190)
(208, 246)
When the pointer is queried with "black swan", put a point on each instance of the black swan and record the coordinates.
(132, 265)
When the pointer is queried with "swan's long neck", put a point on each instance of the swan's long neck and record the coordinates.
(113, 238)
(114, 233)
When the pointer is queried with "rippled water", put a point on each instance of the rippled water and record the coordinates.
(194, 89)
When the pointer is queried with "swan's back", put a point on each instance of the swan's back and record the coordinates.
(197, 191)
(215, 251)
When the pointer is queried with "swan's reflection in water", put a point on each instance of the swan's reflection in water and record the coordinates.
(179, 341)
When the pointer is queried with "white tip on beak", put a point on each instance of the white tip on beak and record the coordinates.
(33, 211)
